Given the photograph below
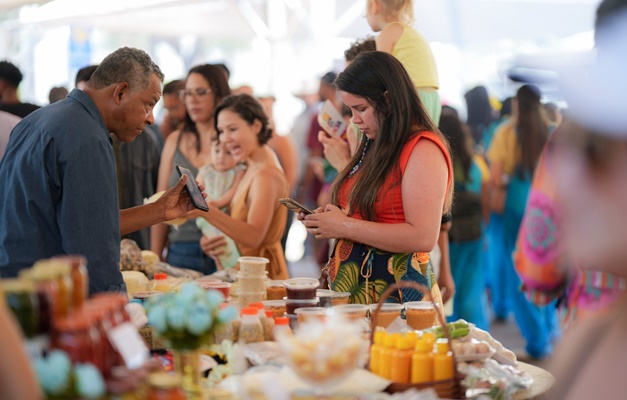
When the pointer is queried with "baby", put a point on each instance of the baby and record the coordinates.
(220, 178)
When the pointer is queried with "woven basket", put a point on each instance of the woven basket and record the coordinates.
(449, 388)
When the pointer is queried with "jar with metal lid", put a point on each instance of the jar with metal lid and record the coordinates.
(47, 291)
(21, 299)
(79, 277)
(117, 301)
(165, 386)
(72, 335)
(101, 314)
(61, 271)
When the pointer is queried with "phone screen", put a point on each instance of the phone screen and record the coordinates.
(295, 206)
(195, 195)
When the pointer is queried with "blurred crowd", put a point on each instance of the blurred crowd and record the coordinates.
(534, 229)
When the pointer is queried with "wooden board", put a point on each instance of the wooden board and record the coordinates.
(542, 382)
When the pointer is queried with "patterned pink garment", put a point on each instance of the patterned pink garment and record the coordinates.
(539, 263)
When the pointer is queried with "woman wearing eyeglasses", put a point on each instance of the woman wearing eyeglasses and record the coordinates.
(190, 147)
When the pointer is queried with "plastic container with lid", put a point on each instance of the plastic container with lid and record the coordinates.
(307, 314)
(277, 307)
(387, 314)
(253, 266)
(282, 326)
(245, 298)
(275, 290)
(419, 314)
(339, 298)
(401, 360)
(165, 386)
(443, 364)
(22, 300)
(160, 283)
(251, 283)
(251, 330)
(353, 312)
(268, 327)
(267, 324)
(216, 284)
(301, 288)
(325, 296)
(422, 362)
(291, 305)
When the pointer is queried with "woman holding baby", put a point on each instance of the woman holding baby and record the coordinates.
(257, 219)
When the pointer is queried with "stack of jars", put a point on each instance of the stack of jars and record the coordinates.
(301, 293)
(46, 293)
(83, 334)
(251, 280)
(50, 303)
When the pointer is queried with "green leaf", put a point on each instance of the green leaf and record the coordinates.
(347, 278)
(399, 265)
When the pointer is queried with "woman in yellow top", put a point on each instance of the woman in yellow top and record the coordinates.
(257, 219)
(393, 18)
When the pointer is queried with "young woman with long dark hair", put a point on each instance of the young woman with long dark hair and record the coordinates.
(466, 233)
(513, 156)
(387, 204)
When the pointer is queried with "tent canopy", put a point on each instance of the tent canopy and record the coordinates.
(465, 23)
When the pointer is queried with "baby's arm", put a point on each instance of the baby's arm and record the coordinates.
(388, 37)
(227, 197)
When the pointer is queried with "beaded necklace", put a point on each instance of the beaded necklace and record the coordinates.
(363, 154)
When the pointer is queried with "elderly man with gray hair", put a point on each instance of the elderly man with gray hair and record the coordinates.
(58, 191)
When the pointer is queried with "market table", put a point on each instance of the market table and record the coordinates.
(542, 382)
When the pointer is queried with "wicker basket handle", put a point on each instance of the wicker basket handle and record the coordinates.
(426, 292)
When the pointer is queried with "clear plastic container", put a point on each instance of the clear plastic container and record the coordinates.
(249, 283)
(160, 283)
(250, 330)
(307, 314)
(276, 290)
(420, 314)
(353, 312)
(340, 298)
(326, 297)
(282, 327)
(301, 288)
(245, 298)
(387, 314)
(268, 327)
(277, 307)
(253, 266)
(291, 305)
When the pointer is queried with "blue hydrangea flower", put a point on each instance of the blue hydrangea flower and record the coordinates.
(157, 318)
(53, 372)
(199, 321)
(214, 298)
(227, 314)
(189, 292)
(89, 382)
(176, 318)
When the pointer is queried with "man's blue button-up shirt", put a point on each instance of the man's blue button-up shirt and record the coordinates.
(58, 192)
